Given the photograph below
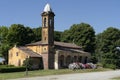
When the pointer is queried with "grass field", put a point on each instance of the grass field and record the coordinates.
(4, 76)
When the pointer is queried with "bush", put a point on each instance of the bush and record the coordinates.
(99, 65)
(12, 69)
(6, 66)
(111, 66)
(28, 63)
(94, 60)
(0, 63)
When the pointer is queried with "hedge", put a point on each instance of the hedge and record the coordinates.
(11, 69)
(0, 63)
(2, 66)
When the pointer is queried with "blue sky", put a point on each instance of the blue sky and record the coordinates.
(100, 14)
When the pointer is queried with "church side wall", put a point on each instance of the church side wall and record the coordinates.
(16, 57)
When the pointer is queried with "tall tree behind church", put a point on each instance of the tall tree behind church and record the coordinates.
(81, 34)
(3, 42)
(19, 35)
(37, 33)
(106, 44)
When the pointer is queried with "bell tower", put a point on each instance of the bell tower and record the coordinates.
(48, 25)
(48, 37)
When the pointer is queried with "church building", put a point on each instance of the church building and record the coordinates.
(48, 53)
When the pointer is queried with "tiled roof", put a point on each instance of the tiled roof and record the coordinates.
(29, 52)
(60, 44)
(68, 45)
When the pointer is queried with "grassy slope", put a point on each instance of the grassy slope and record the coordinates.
(4, 76)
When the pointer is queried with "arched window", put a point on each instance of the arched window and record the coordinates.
(61, 61)
(75, 59)
(86, 58)
(44, 22)
(80, 59)
(50, 22)
(68, 60)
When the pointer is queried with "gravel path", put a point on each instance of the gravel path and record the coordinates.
(107, 75)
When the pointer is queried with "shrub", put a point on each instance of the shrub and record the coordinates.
(111, 66)
(0, 63)
(12, 69)
(94, 60)
(6, 66)
(99, 65)
(28, 63)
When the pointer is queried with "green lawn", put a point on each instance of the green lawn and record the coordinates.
(4, 76)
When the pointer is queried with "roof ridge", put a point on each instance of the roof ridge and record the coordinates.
(64, 44)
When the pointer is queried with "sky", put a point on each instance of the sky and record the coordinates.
(100, 14)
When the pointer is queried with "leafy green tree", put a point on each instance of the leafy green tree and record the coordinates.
(109, 39)
(30, 35)
(106, 44)
(66, 36)
(4, 51)
(3, 34)
(81, 34)
(37, 33)
(28, 63)
(17, 35)
(4, 46)
(98, 47)
(57, 35)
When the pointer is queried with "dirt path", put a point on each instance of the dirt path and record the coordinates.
(107, 75)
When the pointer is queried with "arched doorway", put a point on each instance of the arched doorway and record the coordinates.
(85, 60)
(80, 59)
(61, 61)
(75, 59)
(68, 60)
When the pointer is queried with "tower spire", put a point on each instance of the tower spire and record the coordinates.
(47, 8)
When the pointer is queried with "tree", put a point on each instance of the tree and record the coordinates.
(82, 35)
(30, 35)
(66, 36)
(37, 33)
(17, 35)
(4, 51)
(4, 46)
(106, 46)
(3, 34)
(98, 47)
(28, 63)
(109, 39)
(57, 35)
